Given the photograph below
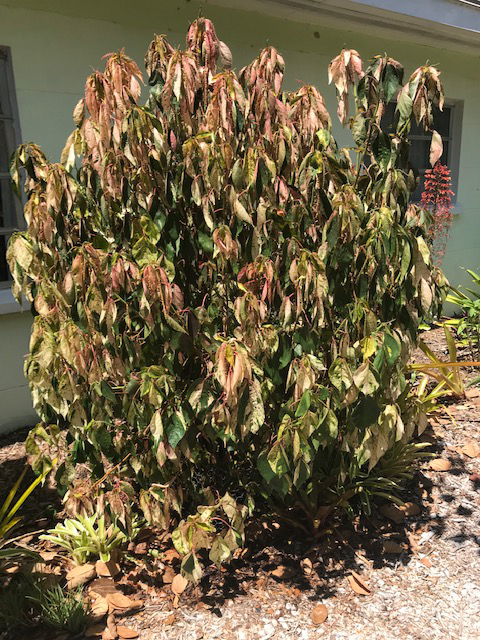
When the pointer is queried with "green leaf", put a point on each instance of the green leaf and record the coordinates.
(191, 568)
(303, 405)
(176, 429)
(392, 349)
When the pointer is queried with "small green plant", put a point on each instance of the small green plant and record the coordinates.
(86, 536)
(9, 518)
(468, 325)
(63, 610)
(16, 606)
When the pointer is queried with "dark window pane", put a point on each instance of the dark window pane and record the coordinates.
(417, 194)
(4, 146)
(389, 116)
(441, 121)
(7, 204)
(419, 154)
(3, 259)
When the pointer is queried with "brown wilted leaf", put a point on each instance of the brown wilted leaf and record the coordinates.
(141, 549)
(107, 569)
(440, 464)
(307, 566)
(123, 603)
(94, 630)
(283, 573)
(99, 608)
(472, 449)
(126, 632)
(103, 586)
(80, 575)
(111, 626)
(410, 509)
(170, 619)
(392, 512)
(168, 575)
(390, 546)
(179, 584)
(171, 555)
(358, 584)
(426, 562)
(319, 614)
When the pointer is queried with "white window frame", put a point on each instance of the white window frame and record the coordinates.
(8, 95)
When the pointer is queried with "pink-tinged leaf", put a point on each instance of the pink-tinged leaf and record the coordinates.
(436, 148)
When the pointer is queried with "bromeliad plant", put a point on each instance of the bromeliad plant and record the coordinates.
(224, 301)
(86, 536)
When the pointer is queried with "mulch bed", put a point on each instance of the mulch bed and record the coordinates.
(415, 579)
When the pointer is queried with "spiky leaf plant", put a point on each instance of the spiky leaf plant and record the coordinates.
(224, 300)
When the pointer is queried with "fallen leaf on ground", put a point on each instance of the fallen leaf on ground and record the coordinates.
(410, 509)
(168, 575)
(80, 575)
(179, 584)
(99, 608)
(319, 614)
(472, 450)
(170, 619)
(94, 630)
(126, 632)
(141, 549)
(282, 572)
(112, 626)
(107, 569)
(358, 584)
(426, 561)
(307, 566)
(440, 464)
(103, 586)
(392, 512)
(390, 546)
(120, 601)
(170, 555)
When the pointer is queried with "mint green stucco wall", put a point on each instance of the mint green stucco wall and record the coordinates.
(56, 43)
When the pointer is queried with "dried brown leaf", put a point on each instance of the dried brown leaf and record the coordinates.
(392, 512)
(168, 575)
(440, 464)
(283, 573)
(179, 584)
(107, 569)
(170, 619)
(390, 546)
(358, 584)
(103, 586)
(472, 449)
(122, 602)
(80, 575)
(126, 632)
(99, 608)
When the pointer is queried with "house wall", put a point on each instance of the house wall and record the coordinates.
(56, 43)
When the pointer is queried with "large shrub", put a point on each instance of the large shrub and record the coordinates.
(224, 300)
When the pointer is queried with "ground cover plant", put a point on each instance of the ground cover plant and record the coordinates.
(224, 300)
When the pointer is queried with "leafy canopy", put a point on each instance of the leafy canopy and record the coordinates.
(224, 300)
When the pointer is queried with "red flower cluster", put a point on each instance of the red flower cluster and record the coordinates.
(437, 199)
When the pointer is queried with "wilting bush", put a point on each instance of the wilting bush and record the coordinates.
(224, 300)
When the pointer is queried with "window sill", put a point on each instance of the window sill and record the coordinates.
(8, 304)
